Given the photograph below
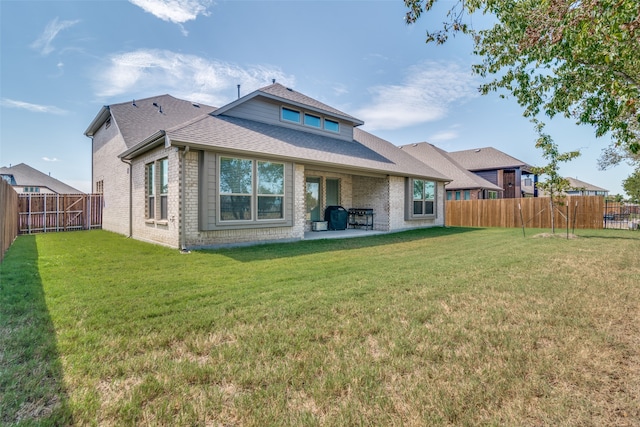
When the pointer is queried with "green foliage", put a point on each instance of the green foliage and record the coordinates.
(555, 184)
(631, 186)
(578, 59)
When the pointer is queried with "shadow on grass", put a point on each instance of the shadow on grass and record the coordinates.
(31, 378)
(312, 247)
(621, 235)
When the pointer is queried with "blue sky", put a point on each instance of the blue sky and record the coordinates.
(61, 61)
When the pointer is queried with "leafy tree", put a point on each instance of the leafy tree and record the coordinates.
(554, 185)
(577, 58)
(631, 186)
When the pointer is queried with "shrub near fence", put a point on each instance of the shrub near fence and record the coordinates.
(9, 217)
(583, 212)
(41, 213)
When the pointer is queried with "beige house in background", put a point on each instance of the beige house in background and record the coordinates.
(581, 188)
(27, 180)
(263, 168)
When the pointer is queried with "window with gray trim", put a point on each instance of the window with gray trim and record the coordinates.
(423, 198)
(251, 190)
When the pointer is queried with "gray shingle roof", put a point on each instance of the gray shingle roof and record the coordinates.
(440, 160)
(366, 152)
(26, 176)
(141, 118)
(486, 158)
(280, 92)
(581, 185)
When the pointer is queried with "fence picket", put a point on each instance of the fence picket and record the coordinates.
(36, 212)
(587, 213)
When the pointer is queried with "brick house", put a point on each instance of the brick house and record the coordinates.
(464, 185)
(262, 168)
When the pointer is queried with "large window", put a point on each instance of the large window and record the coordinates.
(164, 188)
(151, 190)
(424, 198)
(270, 190)
(157, 183)
(251, 190)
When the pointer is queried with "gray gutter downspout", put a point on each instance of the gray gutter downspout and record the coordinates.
(183, 222)
(130, 196)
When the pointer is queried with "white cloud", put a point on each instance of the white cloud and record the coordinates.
(444, 135)
(152, 72)
(44, 42)
(426, 94)
(176, 11)
(35, 108)
(47, 159)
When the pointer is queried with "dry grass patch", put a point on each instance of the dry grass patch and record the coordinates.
(431, 327)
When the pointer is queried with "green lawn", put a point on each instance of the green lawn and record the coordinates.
(431, 327)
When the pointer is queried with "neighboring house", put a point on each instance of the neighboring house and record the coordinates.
(464, 185)
(26, 179)
(581, 188)
(259, 169)
(498, 168)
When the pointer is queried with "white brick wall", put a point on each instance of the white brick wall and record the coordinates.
(373, 193)
(107, 145)
(165, 232)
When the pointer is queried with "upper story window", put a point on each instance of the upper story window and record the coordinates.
(9, 178)
(331, 125)
(311, 120)
(31, 189)
(290, 115)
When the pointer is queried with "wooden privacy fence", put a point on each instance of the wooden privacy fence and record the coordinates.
(41, 213)
(582, 212)
(8, 217)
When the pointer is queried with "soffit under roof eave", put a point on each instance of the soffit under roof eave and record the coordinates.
(100, 118)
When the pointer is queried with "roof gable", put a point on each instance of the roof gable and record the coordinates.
(440, 160)
(289, 96)
(487, 158)
(138, 119)
(26, 176)
(576, 184)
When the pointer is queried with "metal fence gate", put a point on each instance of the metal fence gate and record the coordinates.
(621, 215)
